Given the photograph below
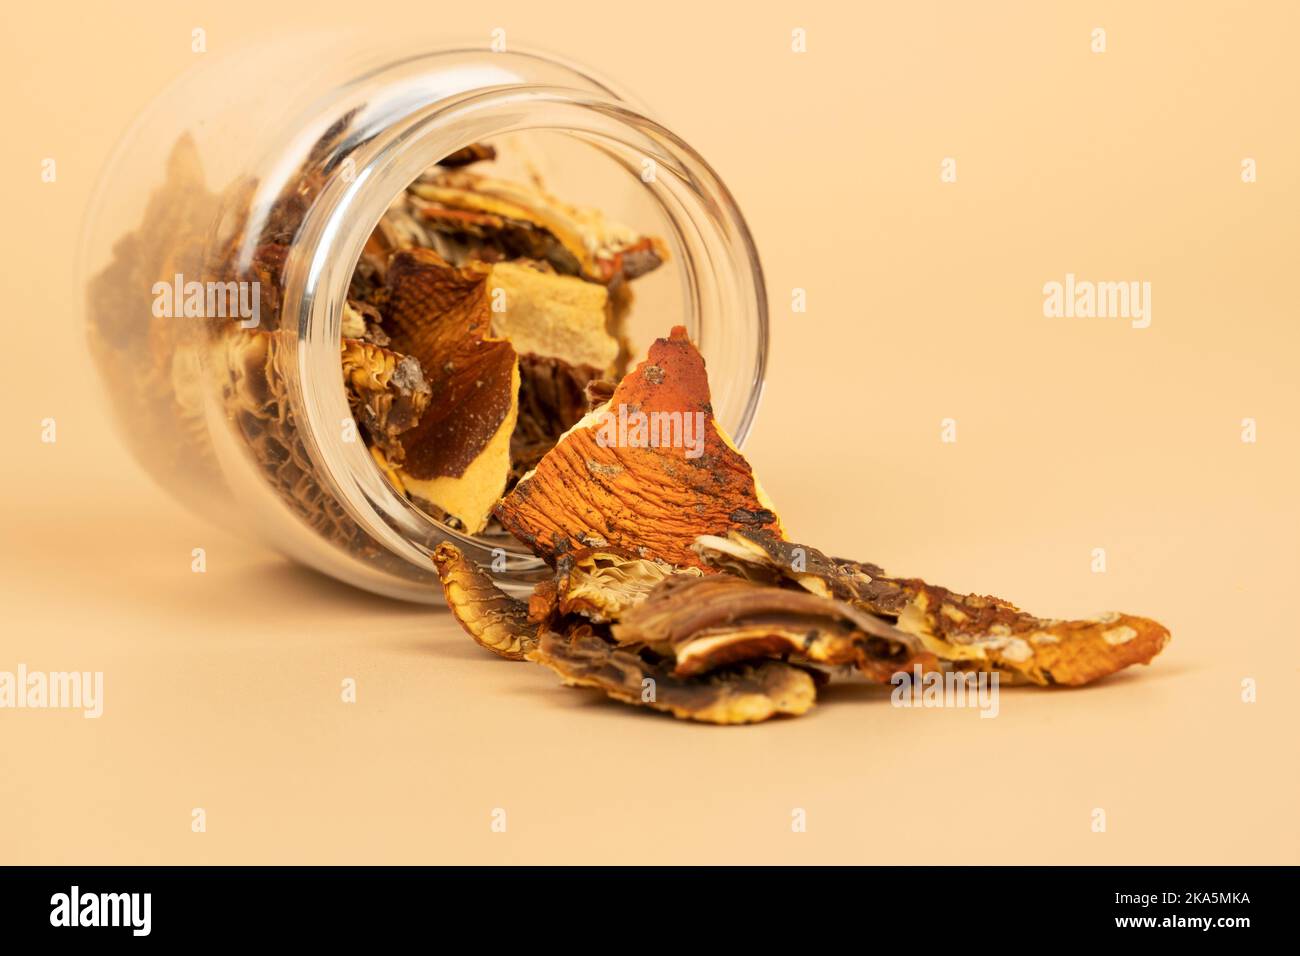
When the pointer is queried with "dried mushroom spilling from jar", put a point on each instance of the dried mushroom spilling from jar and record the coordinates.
(675, 587)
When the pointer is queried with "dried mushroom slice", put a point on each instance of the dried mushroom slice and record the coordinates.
(491, 617)
(969, 630)
(557, 325)
(712, 621)
(473, 153)
(604, 584)
(646, 473)
(363, 321)
(739, 695)
(985, 632)
(551, 315)
(386, 392)
(458, 456)
(519, 221)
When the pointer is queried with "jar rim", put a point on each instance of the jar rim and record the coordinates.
(715, 249)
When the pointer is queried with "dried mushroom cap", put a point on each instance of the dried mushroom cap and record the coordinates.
(386, 391)
(716, 620)
(611, 482)
(491, 617)
(739, 695)
(525, 222)
(969, 630)
(458, 457)
(604, 584)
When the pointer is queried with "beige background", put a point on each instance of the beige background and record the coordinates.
(222, 690)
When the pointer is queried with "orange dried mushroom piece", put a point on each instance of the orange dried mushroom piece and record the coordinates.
(647, 472)
(971, 631)
(458, 456)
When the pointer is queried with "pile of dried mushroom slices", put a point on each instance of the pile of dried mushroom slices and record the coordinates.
(480, 312)
(676, 588)
(484, 333)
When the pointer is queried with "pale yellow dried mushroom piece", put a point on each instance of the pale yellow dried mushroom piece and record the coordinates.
(491, 617)
(555, 316)
(744, 694)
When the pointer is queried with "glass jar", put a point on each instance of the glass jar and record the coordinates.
(321, 135)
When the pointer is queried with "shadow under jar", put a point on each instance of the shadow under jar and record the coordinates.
(304, 149)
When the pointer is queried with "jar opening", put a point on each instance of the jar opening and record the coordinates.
(722, 299)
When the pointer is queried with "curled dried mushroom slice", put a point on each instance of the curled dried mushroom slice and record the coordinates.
(491, 617)
(514, 221)
(645, 473)
(473, 153)
(968, 630)
(458, 456)
(738, 695)
(716, 620)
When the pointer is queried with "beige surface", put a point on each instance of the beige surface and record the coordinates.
(222, 689)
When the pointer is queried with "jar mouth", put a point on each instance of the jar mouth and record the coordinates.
(725, 307)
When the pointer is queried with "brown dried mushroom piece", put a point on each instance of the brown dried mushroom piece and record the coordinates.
(494, 219)
(473, 153)
(552, 399)
(712, 621)
(491, 617)
(646, 473)
(458, 457)
(969, 630)
(247, 366)
(386, 392)
(739, 695)
(603, 584)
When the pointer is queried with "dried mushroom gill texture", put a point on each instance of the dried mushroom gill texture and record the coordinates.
(491, 617)
(741, 694)
(968, 630)
(602, 584)
(712, 621)
(249, 372)
(646, 473)
(386, 392)
(458, 456)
